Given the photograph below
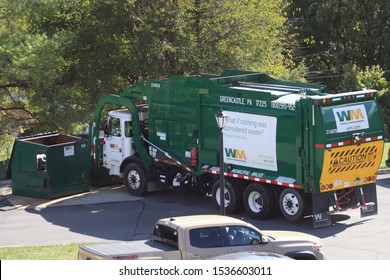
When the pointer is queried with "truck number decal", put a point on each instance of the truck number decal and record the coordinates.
(250, 140)
(257, 102)
(261, 103)
(283, 106)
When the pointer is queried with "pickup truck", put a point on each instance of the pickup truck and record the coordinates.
(204, 237)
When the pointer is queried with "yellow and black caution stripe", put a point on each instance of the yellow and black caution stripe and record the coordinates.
(346, 166)
(353, 159)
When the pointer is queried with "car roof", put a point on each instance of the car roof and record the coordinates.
(200, 220)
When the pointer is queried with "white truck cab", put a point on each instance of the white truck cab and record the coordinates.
(118, 137)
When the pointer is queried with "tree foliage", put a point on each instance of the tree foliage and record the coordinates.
(370, 78)
(344, 44)
(57, 57)
(335, 33)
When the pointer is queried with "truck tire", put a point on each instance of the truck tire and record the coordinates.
(134, 179)
(259, 201)
(292, 204)
(232, 196)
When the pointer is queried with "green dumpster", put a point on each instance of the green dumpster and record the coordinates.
(50, 166)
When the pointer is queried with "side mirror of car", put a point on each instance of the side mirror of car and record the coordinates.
(264, 239)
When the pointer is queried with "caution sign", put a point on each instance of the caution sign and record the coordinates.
(355, 158)
(350, 166)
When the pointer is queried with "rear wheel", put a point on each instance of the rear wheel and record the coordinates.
(259, 201)
(232, 196)
(134, 179)
(292, 204)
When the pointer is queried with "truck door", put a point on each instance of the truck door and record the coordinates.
(117, 143)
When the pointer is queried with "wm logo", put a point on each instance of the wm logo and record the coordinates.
(350, 115)
(236, 154)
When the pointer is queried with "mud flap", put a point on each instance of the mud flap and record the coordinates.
(369, 198)
(321, 217)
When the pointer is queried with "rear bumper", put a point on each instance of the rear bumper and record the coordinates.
(324, 205)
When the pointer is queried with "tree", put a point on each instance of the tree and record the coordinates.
(58, 57)
(370, 78)
(233, 34)
(335, 33)
(28, 64)
(36, 92)
(344, 43)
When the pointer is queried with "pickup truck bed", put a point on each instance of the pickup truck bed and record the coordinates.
(146, 250)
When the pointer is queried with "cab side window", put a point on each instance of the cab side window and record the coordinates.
(242, 236)
(128, 129)
(209, 237)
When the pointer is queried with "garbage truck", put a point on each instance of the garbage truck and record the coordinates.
(287, 147)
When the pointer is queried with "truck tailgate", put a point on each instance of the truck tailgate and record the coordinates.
(131, 250)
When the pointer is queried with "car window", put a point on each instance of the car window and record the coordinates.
(242, 236)
(166, 235)
(209, 237)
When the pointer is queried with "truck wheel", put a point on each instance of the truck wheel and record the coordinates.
(232, 196)
(259, 201)
(292, 204)
(134, 179)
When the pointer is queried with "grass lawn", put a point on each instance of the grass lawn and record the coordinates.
(385, 155)
(46, 252)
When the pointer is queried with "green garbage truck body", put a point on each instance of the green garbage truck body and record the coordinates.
(288, 147)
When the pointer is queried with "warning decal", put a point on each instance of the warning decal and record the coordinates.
(356, 158)
(349, 166)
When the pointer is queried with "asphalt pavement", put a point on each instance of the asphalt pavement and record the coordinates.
(111, 214)
(115, 193)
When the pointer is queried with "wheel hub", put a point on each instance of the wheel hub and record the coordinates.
(226, 197)
(290, 204)
(255, 202)
(134, 180)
